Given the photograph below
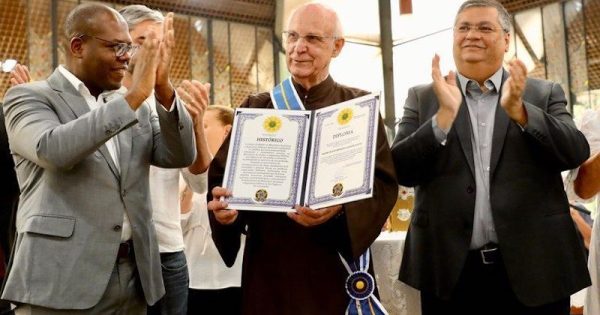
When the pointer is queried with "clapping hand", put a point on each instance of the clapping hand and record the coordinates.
(448, 94)
(164, 90)
(19, 75)
(512, 92)
(195, 97)
(144, 74)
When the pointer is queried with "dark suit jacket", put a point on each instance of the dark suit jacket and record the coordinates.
(543, 256)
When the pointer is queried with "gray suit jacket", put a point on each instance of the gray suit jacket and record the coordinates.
(72, 196)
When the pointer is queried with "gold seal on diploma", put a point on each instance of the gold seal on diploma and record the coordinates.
(261, 195)
(337, 189)
(272, 124)
(345, 116)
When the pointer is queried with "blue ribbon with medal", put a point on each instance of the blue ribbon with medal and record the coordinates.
(360, 285)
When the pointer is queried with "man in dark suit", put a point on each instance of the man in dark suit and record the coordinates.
(491, 232)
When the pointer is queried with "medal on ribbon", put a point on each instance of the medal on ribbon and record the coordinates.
(360, 286)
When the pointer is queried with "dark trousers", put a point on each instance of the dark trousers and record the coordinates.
(484, 289)
(219, 302)
(176, 279)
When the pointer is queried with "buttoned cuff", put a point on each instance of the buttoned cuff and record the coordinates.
(440, 134)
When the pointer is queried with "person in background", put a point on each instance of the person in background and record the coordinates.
(583, 221)
(214, 287)
(582, 185)
(164, 182)
(491, 231)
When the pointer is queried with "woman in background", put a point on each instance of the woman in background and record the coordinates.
(214, 288)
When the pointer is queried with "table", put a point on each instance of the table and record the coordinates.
(397, 297)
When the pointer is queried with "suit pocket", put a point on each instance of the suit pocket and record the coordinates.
(51, 225)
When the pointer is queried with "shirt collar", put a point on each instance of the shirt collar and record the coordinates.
(316, 92)
(492, 83)
(82, 89)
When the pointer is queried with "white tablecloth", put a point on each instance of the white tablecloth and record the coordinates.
(396, 297)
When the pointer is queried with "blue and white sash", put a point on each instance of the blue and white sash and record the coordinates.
(284, 96)
(360, 285)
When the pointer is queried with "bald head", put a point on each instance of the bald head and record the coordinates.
(314, 37)
(90, 19)
(93, 34)
(333, 24)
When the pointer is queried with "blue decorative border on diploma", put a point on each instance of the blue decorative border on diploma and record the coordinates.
(293, 195)
(365, 187)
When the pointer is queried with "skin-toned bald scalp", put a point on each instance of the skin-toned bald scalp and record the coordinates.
(88, 18)
(90, 58)
(326, 11)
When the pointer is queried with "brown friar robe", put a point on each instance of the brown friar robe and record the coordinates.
(292, 269)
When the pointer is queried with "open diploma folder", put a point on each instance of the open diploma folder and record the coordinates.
(280, 158)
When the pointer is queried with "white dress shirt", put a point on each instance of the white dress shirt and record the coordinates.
(166, 213)
(112, 144)
(206, 267)
(164, 195)
(589, 124)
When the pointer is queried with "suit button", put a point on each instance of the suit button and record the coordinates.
(470, 189)
(108, 132)
(123, 193)
(117, 228)
(180, 127)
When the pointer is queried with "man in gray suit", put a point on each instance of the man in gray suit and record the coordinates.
(86, 243)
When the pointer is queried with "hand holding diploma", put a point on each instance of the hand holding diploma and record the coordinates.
(308, 217)
(218, 207)
(269, 167)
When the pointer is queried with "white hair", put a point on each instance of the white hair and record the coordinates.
(137, 13)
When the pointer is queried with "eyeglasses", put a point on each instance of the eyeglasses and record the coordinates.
(291, 37)
(481, 29)
(120, 48)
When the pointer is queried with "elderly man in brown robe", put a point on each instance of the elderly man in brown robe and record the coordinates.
(291, 262)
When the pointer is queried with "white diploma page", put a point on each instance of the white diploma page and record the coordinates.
(342, 161)
(267, 153)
